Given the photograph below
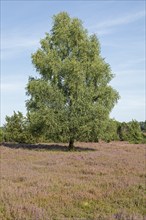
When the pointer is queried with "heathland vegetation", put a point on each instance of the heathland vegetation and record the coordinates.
(99, 181)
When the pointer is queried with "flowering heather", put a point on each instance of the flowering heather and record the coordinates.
(97, 181)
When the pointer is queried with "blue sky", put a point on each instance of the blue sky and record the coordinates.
(119, 25)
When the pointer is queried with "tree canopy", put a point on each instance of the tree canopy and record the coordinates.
(72, 97)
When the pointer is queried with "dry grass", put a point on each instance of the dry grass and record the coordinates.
(98, 181)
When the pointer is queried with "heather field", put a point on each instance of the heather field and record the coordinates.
(97, 181)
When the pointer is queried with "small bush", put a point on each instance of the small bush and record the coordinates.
(130, 132)
(16, 129)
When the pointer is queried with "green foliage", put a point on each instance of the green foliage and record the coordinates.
(16, 129)
(143, 125)
(111, 131)
(1, 134)
(72, 98)
(130, 132)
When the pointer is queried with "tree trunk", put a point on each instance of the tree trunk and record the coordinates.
(71, 144)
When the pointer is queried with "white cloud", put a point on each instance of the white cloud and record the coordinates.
(122, 20)
(11, 87)
(12, 47)
(128, 108)
(127, 72)
(18, 42)
(129, 78)
(132, 63)
(104, 27)
(102, 32)
(12, 98)
(20, 38)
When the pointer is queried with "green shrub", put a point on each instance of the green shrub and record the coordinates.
(16, 129)
(143, 125)
(110, 133)
(130, 132)
(1, 134)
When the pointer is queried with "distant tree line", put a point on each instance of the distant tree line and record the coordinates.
(18, 129)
